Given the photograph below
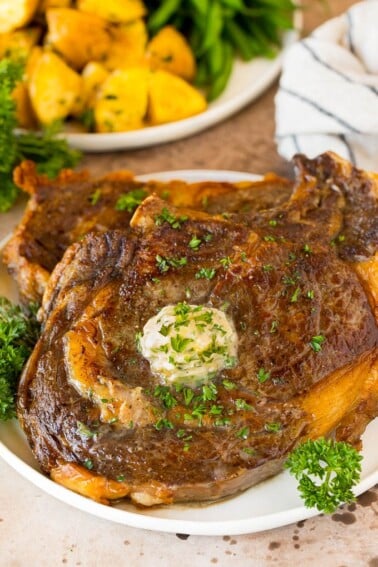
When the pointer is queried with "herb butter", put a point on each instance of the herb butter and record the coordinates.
(189, 343)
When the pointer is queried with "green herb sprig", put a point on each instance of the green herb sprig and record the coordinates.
(18, 334)
(326, 470)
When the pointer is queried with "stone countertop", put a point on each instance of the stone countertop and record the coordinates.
(37, 530)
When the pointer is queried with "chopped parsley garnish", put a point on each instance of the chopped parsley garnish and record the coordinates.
(131, 200)
(208, 237)
(194, 243)
(267, 267)
(225, 262)
(209, 392)
(205, 273)
(295, 296)
(310, 294)
(164, 394)
(163, 423)
(242, 404)
(164, 264)
(249, 450)
(243, 433)
(273, 327)
(222, 421)
(307, 249)
(179, 343)
(272, 222)
(269, 238)
(228, 384)
(273, 427)
(168, 217)
(316, 342)
(88, 464)
(84, 431)
(262, 375)
(120, 478)
(95, 197)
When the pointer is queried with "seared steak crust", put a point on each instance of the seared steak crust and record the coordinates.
(307, 347)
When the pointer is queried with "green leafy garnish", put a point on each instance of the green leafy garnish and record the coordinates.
(131, 200)
(18, 334)
(51, 154)
(167, 217)
(205, 273)
(262, 375)
(326, 470)
(316, 343)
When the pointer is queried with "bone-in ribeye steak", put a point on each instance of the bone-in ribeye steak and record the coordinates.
(299, 284)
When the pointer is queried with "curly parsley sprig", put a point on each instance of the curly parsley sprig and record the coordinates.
(50, 153)
(18, 333)
(326, 470)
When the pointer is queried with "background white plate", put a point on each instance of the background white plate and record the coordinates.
(247, 82)
(272, 503)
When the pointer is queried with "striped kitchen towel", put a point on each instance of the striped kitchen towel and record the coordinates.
(328, 93)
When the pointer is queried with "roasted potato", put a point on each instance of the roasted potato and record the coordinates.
(55, 89)
(171, 98)
(19, 42)
(77, 36)
(122, 101)
(24, 110)
(16, 13)
(47, 4)
(94, 75)
(128, 45)
(119, 11)
(170, 51)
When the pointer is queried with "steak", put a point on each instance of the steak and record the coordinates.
(62, 211)
(300, 299)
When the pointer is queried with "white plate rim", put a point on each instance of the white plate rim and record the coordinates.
(219, 527)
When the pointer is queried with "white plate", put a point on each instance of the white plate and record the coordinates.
(247, 82)
(272, 503)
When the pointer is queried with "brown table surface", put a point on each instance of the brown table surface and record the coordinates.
(37, 530)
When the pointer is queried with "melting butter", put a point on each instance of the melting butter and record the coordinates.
(189, 344)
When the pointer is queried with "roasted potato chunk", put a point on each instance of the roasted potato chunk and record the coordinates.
(122, 102)
(170, 51)
(19, 42)
(119, 11)
(24, 110)
(16, 13)
(94, 74)
(47, 4)
(77, 36)
(171, 98)
(127, 46)
(55, 89)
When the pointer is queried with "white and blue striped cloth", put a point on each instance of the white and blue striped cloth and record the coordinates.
(328, 93)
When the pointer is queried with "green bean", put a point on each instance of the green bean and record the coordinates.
(237, 5)
(215, 57)
(241, 40)
(202, 74)
(221, 80)
(201, 6)
(214, 24)
(161, 16)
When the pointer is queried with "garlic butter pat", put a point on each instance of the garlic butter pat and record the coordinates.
(189, 344)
